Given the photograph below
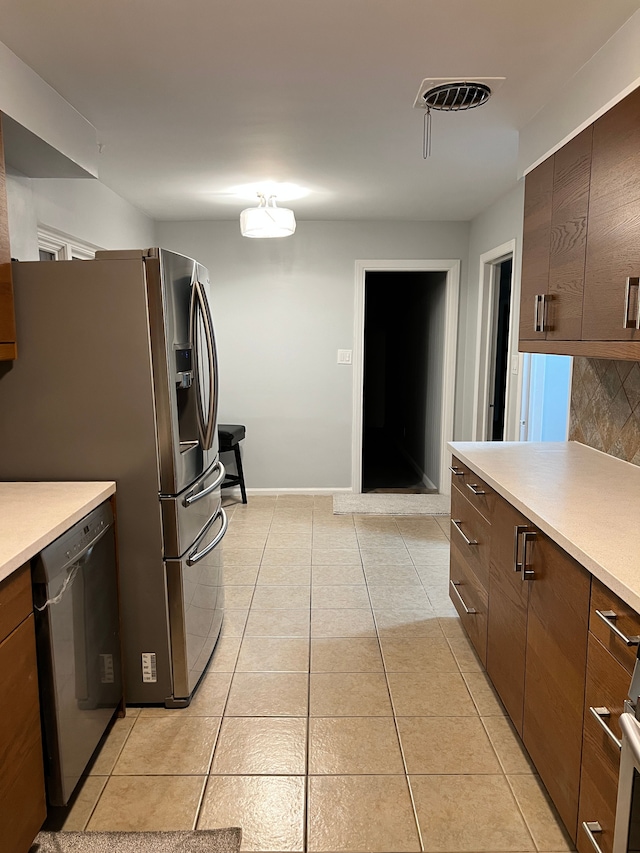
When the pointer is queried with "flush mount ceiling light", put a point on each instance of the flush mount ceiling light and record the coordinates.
(282, 190)
(451, 96)
(267, 220)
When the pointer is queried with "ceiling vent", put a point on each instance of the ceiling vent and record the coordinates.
(452, 95)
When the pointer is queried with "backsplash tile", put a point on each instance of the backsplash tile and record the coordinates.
(605, 406)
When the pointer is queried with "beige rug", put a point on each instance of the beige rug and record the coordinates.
(374, 503)
(194, 841)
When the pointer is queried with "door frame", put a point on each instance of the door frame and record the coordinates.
(484, 343)
(452, 296)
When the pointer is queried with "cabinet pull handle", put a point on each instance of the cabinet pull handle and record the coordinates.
(543, 311)
(537, 301)
(456, 523)
(607, 617)
(517, 530)
(600, 714)
(454, 586)
(527, 573)
(628, 322)
(457, 471)
(476, 489)
(591, 827)
(540, 313)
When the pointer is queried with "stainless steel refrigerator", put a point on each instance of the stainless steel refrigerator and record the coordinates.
(117, 379)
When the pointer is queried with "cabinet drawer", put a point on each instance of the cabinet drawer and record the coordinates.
(626, 620)
(470, 599)
(15, 600)
(467, 522)
(477, 492)
(607, 684)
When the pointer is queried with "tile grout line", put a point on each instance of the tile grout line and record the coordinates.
(520, 810)
(207, 777)
(110, 774)
(393, 711)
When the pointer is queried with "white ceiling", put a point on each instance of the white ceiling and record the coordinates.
(192, 97)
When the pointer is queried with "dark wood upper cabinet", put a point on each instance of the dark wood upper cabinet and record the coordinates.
(592, 292)
(554, 243)
(538, 200)
(571, 179)
(612, 301)
(8, 348)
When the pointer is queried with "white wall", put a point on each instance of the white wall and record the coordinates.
(23, 220)
(282, 309)
(499, 223)
(37, 106)
(611, 73)
(85, 209)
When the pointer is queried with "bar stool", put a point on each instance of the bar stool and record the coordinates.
(229, 438)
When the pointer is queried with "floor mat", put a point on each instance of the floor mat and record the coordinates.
(375, 503)
(194, 841)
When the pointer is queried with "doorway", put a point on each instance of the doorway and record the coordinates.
(497, 390)
(407, 367)
(499, 351)
(402, 386)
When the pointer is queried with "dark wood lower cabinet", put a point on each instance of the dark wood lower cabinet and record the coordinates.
(537, 649)
(470, 599)
(557, 628)
(22, 793)
(560, 669)
(607, 685)
(508, 606)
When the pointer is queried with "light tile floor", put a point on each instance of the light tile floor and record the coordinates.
(344, 708)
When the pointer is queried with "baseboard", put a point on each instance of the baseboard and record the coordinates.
(426, 482)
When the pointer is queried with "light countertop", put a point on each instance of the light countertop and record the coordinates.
(586, 501)
(32, 515)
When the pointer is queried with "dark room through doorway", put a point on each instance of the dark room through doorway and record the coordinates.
(404, 336)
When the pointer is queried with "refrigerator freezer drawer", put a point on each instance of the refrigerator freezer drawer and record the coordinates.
(185, 516)
(196, 603)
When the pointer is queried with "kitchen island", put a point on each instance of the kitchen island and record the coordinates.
(545, 574)
(32, 515)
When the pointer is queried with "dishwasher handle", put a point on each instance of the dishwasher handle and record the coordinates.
(72, 567)
(87, 549)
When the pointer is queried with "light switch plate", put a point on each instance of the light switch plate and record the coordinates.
(344, 356)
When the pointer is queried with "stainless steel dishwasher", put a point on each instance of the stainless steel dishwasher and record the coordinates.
(78, 646)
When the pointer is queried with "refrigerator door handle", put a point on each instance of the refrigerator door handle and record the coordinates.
(191, 498)
(196, 555)
(200, 310)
